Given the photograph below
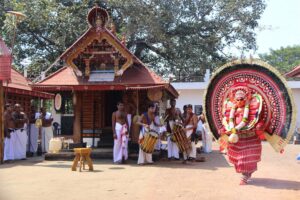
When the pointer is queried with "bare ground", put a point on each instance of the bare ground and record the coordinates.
(278, 177)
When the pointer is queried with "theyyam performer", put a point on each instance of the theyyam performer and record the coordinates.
(248, 101)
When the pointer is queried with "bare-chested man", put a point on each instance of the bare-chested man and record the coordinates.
(190, 125)
(20, 133)
(9, 128)
(120, 134)
(173, 116)
(47, 131)
(147, 122)
(33, 131)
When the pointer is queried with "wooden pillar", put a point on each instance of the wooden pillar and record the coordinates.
(77, 116)
(1, 122)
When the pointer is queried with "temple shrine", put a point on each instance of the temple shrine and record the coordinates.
(98, 72)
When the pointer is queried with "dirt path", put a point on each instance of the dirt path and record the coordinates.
(278, 177)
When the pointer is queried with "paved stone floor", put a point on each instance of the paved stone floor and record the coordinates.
(278, 177)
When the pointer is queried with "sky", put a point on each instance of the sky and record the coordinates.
(281, 19)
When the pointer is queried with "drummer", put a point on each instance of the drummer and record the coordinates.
(147, 123)
(173, 115)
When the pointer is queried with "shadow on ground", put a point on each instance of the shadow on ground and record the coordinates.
(275, 183)
(213, 161)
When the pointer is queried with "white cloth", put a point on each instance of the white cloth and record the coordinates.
(193, 152)
(144, 157)
(20, 143)
(206, 139)
(200, 127)
(173, 150)
(33, 134)
(9, 148)
(121, 143)
(129, 122)
(47, 135)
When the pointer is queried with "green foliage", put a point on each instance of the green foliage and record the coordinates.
(283, 59)
(180, 37)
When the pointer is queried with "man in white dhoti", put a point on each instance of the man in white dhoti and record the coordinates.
(9, 128)
(173, 116)
(190, 129)
(47, 131)
(147, 122)
(19, 136)
(33, 131)
(206, 135)
(120, 134)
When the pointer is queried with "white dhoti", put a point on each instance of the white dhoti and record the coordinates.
(144, 157)
(193, 152)
(121, 143)
(206, 139)
(33, 134)
(159, 130)
(20, 142)
(173, 150)
(129, 122)
(9, 148)
(47, 135)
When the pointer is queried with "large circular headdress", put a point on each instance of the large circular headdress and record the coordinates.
(278, 110)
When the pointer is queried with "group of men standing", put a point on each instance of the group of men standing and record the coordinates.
(150, 120)
(22, 132)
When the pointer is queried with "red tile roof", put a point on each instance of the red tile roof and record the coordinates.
(137, 76)
(294, 73)
(20, 85)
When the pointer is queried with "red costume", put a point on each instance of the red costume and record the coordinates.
(247, 102)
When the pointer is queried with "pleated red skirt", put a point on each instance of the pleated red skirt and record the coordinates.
(245, 154)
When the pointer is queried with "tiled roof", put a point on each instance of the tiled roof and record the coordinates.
(137, 75)
(294, 73)
(18, 81)
(20, 85)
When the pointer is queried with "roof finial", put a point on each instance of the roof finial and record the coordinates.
(123, 41)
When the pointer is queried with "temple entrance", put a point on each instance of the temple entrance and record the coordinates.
(111, 98)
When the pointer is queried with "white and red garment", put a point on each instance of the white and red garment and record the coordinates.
(193, 152)
(120, 143)
(245, 154)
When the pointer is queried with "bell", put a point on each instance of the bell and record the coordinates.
(233, 138)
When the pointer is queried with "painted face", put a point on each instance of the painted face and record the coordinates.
(240, 98)
(240, 101)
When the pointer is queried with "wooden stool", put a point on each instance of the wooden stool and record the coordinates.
(82, 155)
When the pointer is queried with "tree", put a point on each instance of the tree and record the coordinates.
(180, 37)
(283, 59)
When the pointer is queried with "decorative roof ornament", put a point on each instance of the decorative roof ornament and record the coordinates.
(98, 18)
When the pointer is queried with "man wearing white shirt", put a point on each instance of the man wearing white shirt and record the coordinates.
(33, 131)
(47, 131)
